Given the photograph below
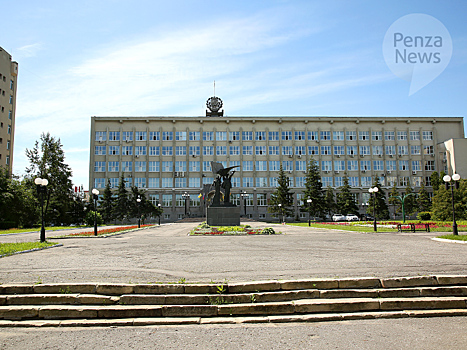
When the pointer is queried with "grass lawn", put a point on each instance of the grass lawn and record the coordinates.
(37, 229)
(11, 248)
(455, 237)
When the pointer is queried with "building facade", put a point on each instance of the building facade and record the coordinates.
(170, 156)
(8, 79)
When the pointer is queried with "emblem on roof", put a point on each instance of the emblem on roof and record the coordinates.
(214, 104)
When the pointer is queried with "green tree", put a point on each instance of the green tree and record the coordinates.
(47, 161)
(313, 190)
(410, 204)
(330, 203)
(107, 204)
(344, 199)
(78, 209)
(122, 202)
(394, 201)
(381, 208)
(424, 202)
(442, 203)
(282, 196)
(435, 180)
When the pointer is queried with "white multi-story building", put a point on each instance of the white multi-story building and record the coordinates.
(171, 156)
(8, 78)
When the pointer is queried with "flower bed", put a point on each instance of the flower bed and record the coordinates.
(105, 232)
(204, 229)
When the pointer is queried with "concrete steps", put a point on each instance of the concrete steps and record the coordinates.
(270, 301)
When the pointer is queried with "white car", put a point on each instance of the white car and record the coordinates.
(338, 217)
(351, 217)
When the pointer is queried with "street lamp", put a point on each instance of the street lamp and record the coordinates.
(186, 197)
(138, 202)
(373, 191)
(244, 195)
(95, 194)
(447, 181)
(159, 206)
(41, 186)
(280, 212)
(309, 206)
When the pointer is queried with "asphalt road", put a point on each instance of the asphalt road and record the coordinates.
(167, 254)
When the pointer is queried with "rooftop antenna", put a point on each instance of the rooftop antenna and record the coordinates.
(214, 88)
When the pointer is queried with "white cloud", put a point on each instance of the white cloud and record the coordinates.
(30, 50)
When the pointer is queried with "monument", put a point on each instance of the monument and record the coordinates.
(222, 213)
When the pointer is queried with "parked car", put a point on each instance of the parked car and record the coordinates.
(366, 217)
(351, 217)
(338, 217)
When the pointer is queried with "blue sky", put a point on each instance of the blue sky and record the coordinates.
(115, 57)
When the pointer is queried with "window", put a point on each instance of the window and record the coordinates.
(167, 182)
(378, 165)
(154, 135)
(127, 166)
(364, 150)
(113, 166)
(234, 150)
(167, 136)
(261, 199)
(194, 166)
(101, 136)
(180, 136)
(140, 182)
(312, 135)
(207, 166)
(391, 181)
(300, 181)
(261, 182)
(194, 135)
(180, 166)
(194, 151)
(391, 165)
(153, 166)
(99, 183)
(415, 149)
(390, 150)
(338, 135)
(339, 165)
(128, 136)
(140, 150)
(326, 165)
(353, 181)
(325, 150)
(260, 136)
(428, 181)
(11, 84)
(300, 150)
(180, 182)
(287, 150)
(260, 150)
(274, 165)
(247, 135)
(403, 165)
(221, 150)
(235, 182)
(9, 129)
(403, 181)
(261, 165)
(234, 135)
(377, 150)
(365, 165)
(427, 135)
(114, 150)
(153, 150)
(326, 181)
(416, 165)
(194, 182)
(221, 135)
(428, 150)
(113, 182)
(153, 182)
(247, 150)
(299, 135)
(351, 135)
(300, 165)
(140, 135)
(273, 182)
(208, 150)
(352, 165)
(377, 135)
(366, 181)
(180, 150)
(389, 135)
(286, 135)
(114, 136)
(273, 150)
(402, 135)
(247, 165)
(98, 150)
(325, 135)
(352, 150)
(403, 150)
(338, 181)
(415, 135)
(99, 166)
(167, 166)
(287, 165)
(313, 150)
(127, 150)
(363, 135)
(140, 166)
(274, 136)
(248, 182)
(339, 150)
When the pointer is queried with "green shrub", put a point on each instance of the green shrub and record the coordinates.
(90, 218)
(268, 231)
(424, 215)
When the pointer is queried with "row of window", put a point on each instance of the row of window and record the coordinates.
(263, 135)
(389, 150)
(245, 182)
(194, 166)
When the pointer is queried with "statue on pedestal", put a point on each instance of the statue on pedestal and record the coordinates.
(225, 174)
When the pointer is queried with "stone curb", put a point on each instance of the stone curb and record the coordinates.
(233, 320)
(445, 240)
(31, 250)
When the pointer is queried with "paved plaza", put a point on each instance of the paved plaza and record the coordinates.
(167, 254)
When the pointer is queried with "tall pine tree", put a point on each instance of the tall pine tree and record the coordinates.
(313, 190)
(381, 209)
(344, 199)
(282, 196)
(330, 203)
(121, 204)
(107, 204)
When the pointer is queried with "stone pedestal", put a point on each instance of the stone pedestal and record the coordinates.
(223, 216)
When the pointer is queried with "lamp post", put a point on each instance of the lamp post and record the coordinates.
(280, 212)
(159, 206)
(448, 182)
(244, 196)
(309, 207)
(95, 194)
(138, 203)
(186, 197)
(41, 186)
(373, 191)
